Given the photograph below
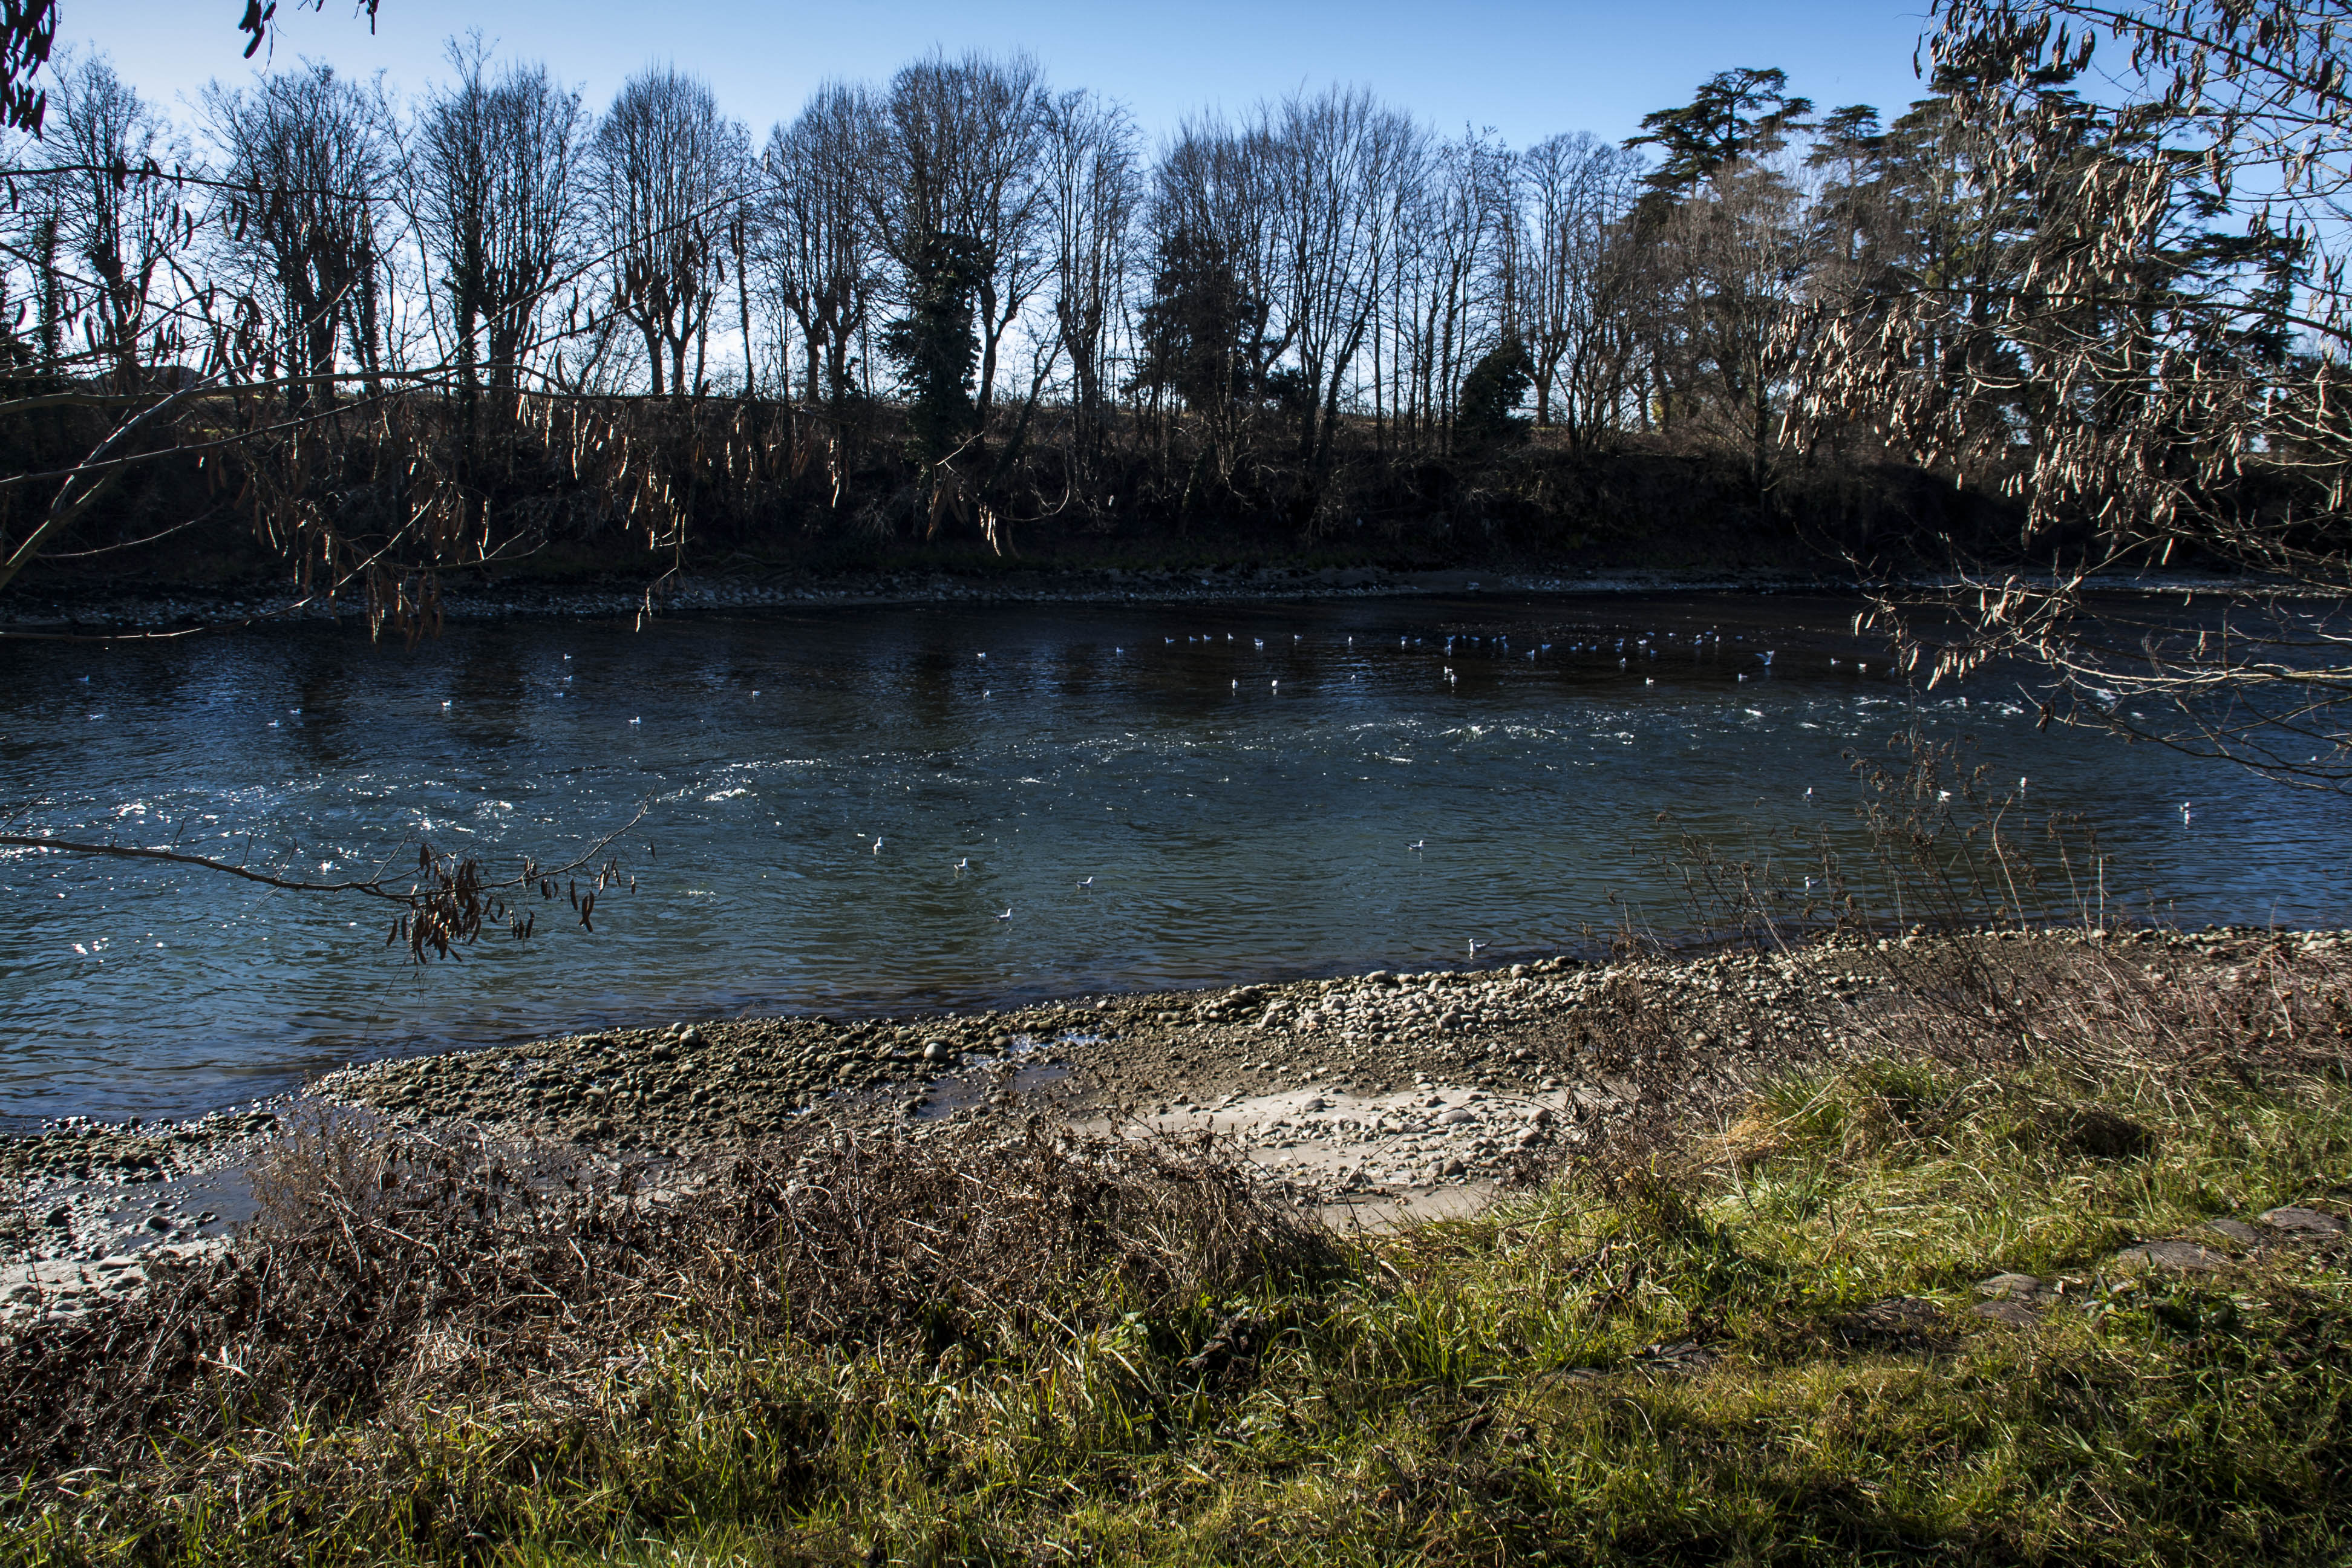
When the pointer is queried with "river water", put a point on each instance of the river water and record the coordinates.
(1157, 794)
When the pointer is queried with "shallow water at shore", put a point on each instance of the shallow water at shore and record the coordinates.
(1243, 785)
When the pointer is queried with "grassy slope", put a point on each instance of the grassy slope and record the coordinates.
(1509, 1388)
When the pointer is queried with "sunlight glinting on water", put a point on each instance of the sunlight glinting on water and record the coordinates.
(1159, 795)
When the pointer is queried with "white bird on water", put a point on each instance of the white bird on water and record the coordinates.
(878, 843)
(961, 863)
(2184, 813)
(1276, 686)
(1086, 882)
(1416, 843)
(1007, 914)
(1476, 945)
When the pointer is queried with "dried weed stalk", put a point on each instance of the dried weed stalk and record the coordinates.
(389, 1271)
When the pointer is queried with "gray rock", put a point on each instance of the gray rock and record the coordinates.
(2304, 1222)
(2237, 1233)
(2180, 1256)
(2017, 1312)
(2012, 1285)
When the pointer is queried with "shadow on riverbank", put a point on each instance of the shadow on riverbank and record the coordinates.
(2040, 1253)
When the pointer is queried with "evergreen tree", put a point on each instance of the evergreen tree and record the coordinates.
(934, 347)
(1490, 392)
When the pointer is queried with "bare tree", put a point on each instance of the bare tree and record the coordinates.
(113, 221)
(670, 171)
(1336, 161)
(817, 253)
(960, 167)
(1095, 188)
(495, 190)
(1732, 262)
(308, 168)
(1455, 231)
(1578, 265)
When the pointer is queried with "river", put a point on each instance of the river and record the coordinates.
(1066, 799)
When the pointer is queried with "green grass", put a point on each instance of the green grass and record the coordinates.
(1483, 1390)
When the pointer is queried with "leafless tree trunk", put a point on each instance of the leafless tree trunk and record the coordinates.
(669, 170)
(962, 154)
(119, 215)
(1095, 190)
(817, 254)
(1575, 289)
(308, 161)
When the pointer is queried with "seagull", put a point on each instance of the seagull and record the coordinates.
(878, 843)
(2020, 787)
(984, 656)
(1238, 684)
(1260, 641)
(445, 703)
(1276, 686)
(1416, 843)
(2184, 813)
(632, 721)
(1007, 914)
(1086, 882)
(1476, 945)
(961, 863)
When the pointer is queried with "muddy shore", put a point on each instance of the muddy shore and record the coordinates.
(1374, 1099)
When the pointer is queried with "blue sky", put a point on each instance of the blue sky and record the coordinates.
(1527, 70)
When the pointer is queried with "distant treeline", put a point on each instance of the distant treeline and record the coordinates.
(960, 304)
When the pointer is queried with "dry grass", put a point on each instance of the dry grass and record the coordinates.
(1751, 1341)
(392, 1272)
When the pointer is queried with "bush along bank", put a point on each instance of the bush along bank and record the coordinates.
(2038, 1259)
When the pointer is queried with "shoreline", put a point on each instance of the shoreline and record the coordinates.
(1378, 1099)
(38, 612)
